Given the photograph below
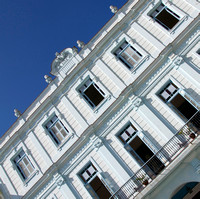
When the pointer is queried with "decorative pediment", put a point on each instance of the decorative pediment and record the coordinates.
(62, 58)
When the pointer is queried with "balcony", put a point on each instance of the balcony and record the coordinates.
(167, 154)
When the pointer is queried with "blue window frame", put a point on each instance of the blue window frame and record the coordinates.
(168, 92)
(24, 165)
(91, 93)
(172, 96)
(139, 150)
(57, 130)
(94, 182)
(128, 55)
(165, 16)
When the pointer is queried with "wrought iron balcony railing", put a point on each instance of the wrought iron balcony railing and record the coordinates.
(157, 163)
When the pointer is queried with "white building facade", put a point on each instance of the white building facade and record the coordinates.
(121, 118)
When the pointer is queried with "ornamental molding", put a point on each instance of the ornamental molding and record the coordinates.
(62, 58)
(96, 142)
(59, 180)
(177, 62)
(137, 103)
(193, 36)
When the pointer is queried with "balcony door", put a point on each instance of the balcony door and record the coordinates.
(140, 151)
(95, 183)
(99, 188)
(143, 155)
(183, 107)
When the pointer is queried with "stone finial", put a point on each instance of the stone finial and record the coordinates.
(113, 9)
(81, 44)
(74, 50)
(17, 113)
(59, 56)
(48, 79)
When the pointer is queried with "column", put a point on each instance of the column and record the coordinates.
(159, 127)
(41, 149)
(62, 186)
(74, 111)
(6, 180)
(111, 161)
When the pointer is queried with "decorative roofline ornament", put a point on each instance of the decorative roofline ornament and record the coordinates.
(113, 9)
(81, 44)
(48, 79)
(62, 57)
(17, 113)
(75, 50)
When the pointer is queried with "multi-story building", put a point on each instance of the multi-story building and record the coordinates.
(121, 117)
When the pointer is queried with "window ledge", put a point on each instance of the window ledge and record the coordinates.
(60, 146)
(36, 172)
(146, 58)
(96, 109)
(185, 18)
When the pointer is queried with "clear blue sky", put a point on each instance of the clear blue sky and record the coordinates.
(31, 31)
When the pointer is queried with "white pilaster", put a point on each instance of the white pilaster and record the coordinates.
(74, 112)
(111, 161)
(8, 183)
(159, 127)
(192, 75)
(41, 149)
(62, 186)
(111, 74)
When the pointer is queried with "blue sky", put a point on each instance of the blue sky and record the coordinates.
(31, 31)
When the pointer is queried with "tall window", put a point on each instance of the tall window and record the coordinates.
(94, 184)
(165, 16)
(92, 93)
(57, 130)
(128, 55)
(140, 151)
(170, 95)
(23, 165)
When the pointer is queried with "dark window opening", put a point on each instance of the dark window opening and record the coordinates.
(99, 188)
(143, 155)
(92, 93)
(183, 106)
(94, 185)
(165, 17)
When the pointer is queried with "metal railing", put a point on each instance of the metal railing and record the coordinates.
(157, 163)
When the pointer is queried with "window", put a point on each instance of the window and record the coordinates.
(91, 93)
(94, 184)
(23, 165)
(198, 51)
(165, 17)
(57, 130)
(140, 151)
(170, 94)
(128, 55)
